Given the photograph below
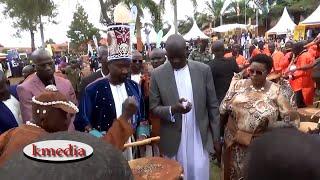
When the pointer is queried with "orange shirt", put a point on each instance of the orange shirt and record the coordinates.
(313, 50)
(286, 61)
(258, 51)
(239, 59)
(302, 79)
(278, 58)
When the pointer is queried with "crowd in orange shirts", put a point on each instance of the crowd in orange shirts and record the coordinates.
(295, 62)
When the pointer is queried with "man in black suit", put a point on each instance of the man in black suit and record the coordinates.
(104, 71)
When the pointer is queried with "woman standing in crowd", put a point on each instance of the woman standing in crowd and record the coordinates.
(251, 107)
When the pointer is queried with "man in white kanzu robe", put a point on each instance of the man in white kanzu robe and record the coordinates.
(182, 94)
(191, 154)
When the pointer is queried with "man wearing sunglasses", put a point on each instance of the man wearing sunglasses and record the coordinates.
(136, 66)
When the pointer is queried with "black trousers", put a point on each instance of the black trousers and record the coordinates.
(299, 99)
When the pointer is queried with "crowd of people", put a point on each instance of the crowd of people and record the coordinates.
(214, 103)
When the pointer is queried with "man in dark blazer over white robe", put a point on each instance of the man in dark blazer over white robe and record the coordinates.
(189, 129)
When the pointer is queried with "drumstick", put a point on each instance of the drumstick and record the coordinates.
(143, 142)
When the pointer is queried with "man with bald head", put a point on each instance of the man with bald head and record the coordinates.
(182, 94)
(35, 84)
(157, 57)
(103, 72)
(222, 69)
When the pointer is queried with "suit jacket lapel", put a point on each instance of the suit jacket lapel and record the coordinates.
(59, 84)
(38, 83)
(172, 86)
(195, 81)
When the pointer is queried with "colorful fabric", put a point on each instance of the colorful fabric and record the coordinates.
(252, 112)
(97, 107)
(119, 47)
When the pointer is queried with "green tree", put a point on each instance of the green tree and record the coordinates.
(50, 41)
(184, 26)
(175, 11)
(28, 14)
(155, 14)
(81, 30)
(214, 7)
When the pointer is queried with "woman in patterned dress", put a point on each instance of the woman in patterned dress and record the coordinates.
(251, 107)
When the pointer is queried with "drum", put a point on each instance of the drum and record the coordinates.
(307, 113)
(306, 126)
(156, 168)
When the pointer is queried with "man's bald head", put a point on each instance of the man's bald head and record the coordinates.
(217, 49)
(175, 42)
(40, 54)
(136, 55)
(103, 51)
(157, 57)
(27, 70)
(44, 64)
(176, 51)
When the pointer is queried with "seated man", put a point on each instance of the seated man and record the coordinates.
(50, 110)
(10, 114)
(105, 163)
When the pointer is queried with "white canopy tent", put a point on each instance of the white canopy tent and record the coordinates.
(284, 25)
(314, 18)
(195, 32)
(229, 27)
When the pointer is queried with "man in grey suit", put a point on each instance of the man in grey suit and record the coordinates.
(182, 94)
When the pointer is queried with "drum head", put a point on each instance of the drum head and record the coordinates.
(305, 126)
(307, 113)
(155, 168)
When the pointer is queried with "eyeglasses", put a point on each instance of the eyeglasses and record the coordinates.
(137, 61)
(257, 72)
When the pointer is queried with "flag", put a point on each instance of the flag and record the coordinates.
(132, 22)
(49, 49)
(90, 50)
(159, 38)
(94, 38)
(225, 6)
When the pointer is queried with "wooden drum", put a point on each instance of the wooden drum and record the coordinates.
(306, 126)
(156, 168)
(309, 114)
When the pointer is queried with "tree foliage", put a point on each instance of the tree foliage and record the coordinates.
(50, 41)
(27, 13)
(81, 30)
